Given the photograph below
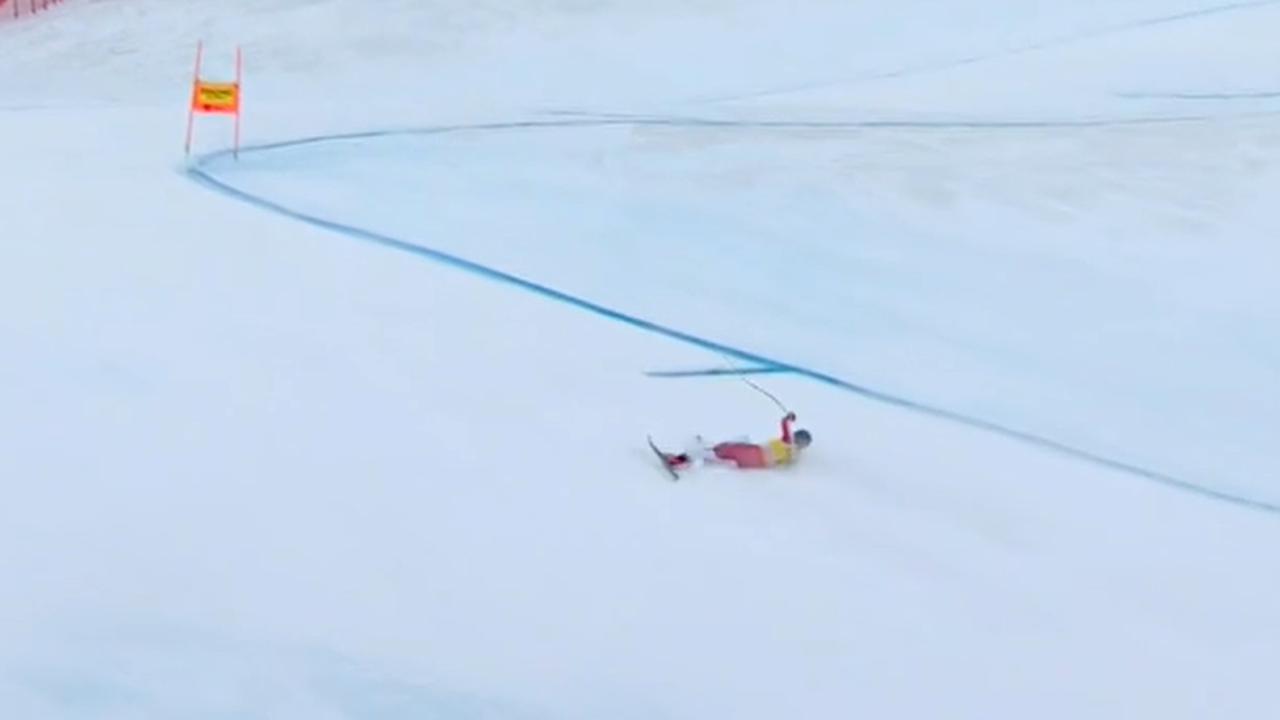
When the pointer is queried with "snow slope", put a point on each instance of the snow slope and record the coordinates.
(254, 467)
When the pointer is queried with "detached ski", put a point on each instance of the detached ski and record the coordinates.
(662, 458)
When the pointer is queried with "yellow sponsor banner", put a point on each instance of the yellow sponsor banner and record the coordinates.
(216, 97)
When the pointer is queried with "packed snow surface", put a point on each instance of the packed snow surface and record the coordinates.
(350, 424)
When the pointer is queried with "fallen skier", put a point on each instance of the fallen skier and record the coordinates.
(779, 451)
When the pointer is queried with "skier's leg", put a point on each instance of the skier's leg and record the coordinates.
(676, 460)
(696, 452)
(738, 453)
(744, 455)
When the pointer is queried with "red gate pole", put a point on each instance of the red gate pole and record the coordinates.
(195, 87)
(239, 85)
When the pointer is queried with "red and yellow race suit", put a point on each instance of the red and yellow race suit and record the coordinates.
(772, 453)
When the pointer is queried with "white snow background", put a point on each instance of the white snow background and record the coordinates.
(264, 456)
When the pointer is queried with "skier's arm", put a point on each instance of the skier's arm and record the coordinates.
(786, 427)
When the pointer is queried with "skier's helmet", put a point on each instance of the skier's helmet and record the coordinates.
(802, 438)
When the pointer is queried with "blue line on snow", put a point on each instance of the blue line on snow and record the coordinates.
(718, 372)
(197, 171)
(1047, 44)
(1203, 96)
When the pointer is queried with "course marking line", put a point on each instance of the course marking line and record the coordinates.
(718, 372)
(1065, 40)
(198, 171)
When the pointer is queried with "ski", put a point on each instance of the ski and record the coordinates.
(662, 458)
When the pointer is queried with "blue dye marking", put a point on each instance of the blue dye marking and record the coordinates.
(975, 59)
(198, 172)
(717, 372)
(1203, 96)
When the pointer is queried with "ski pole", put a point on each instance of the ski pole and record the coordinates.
(733, 366)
